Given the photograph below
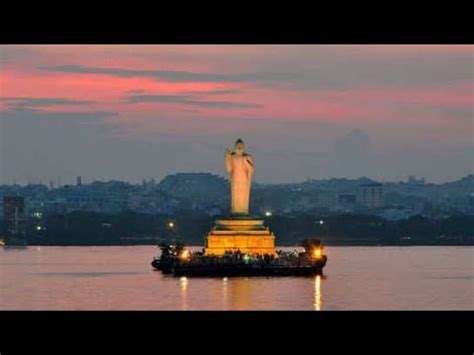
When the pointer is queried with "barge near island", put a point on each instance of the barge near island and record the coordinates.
(176, 260)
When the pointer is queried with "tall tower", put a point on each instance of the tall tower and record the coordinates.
(372, 195)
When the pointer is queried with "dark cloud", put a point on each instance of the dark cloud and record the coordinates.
(31, 102)
(214, 92)
(197, 93)
(303, 67)
(175, 76)
(191, 110)
(348, 67)
(189, 100)
(136, 91)
(224, 104)
(36, 114)
(317, 68)
(157, 98)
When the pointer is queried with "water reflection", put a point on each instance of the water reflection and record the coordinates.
(32, 279)
(224, 293)
(184, 292)
(317, 293)
(237, 293)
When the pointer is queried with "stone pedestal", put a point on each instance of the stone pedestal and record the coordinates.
(244, 234)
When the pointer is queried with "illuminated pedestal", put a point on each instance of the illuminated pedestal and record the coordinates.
(244, 234)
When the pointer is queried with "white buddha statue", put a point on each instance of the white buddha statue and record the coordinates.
(240, 167)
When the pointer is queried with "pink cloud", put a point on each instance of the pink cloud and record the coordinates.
(360, 105)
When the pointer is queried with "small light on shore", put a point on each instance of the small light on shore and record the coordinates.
(321, 221)
(171, 224)
(268, 213)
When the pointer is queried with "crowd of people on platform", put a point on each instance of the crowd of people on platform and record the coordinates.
(283, 258)
(236, 257)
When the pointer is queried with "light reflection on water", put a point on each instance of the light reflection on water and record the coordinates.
(317, 293)
(240, 292)
(184, 292)
(122, 278)
(224, 294)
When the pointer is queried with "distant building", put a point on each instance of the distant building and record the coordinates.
(412, 180)
(325, 199)
(372, 195)
(14, 215)
(345, 202)
(79, 181)
(346, 199)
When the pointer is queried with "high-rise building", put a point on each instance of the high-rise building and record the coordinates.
(14, 215)
(372, 195)
(79, 181)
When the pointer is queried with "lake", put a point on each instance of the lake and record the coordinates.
(121, 278)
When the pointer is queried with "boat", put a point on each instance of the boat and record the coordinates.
(250, 269)
(178, 261)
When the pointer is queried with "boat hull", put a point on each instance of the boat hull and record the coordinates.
(234, 270)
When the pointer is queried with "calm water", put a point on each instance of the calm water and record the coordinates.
(119, 278)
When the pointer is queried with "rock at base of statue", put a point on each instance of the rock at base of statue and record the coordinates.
(240, 233)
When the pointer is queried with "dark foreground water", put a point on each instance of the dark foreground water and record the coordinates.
(121, 278)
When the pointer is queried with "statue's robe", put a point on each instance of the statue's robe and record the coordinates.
(240, 169)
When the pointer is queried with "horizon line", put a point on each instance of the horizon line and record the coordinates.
(57, 184)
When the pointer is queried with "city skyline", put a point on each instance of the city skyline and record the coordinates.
(134, 112)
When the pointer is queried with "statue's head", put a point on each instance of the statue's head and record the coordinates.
(239, 147)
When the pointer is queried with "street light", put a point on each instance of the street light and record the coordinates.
(170, 225)
(268, 213)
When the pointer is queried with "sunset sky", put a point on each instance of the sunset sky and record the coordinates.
(131, 112)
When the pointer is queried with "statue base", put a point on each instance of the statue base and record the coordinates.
(244, 234)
